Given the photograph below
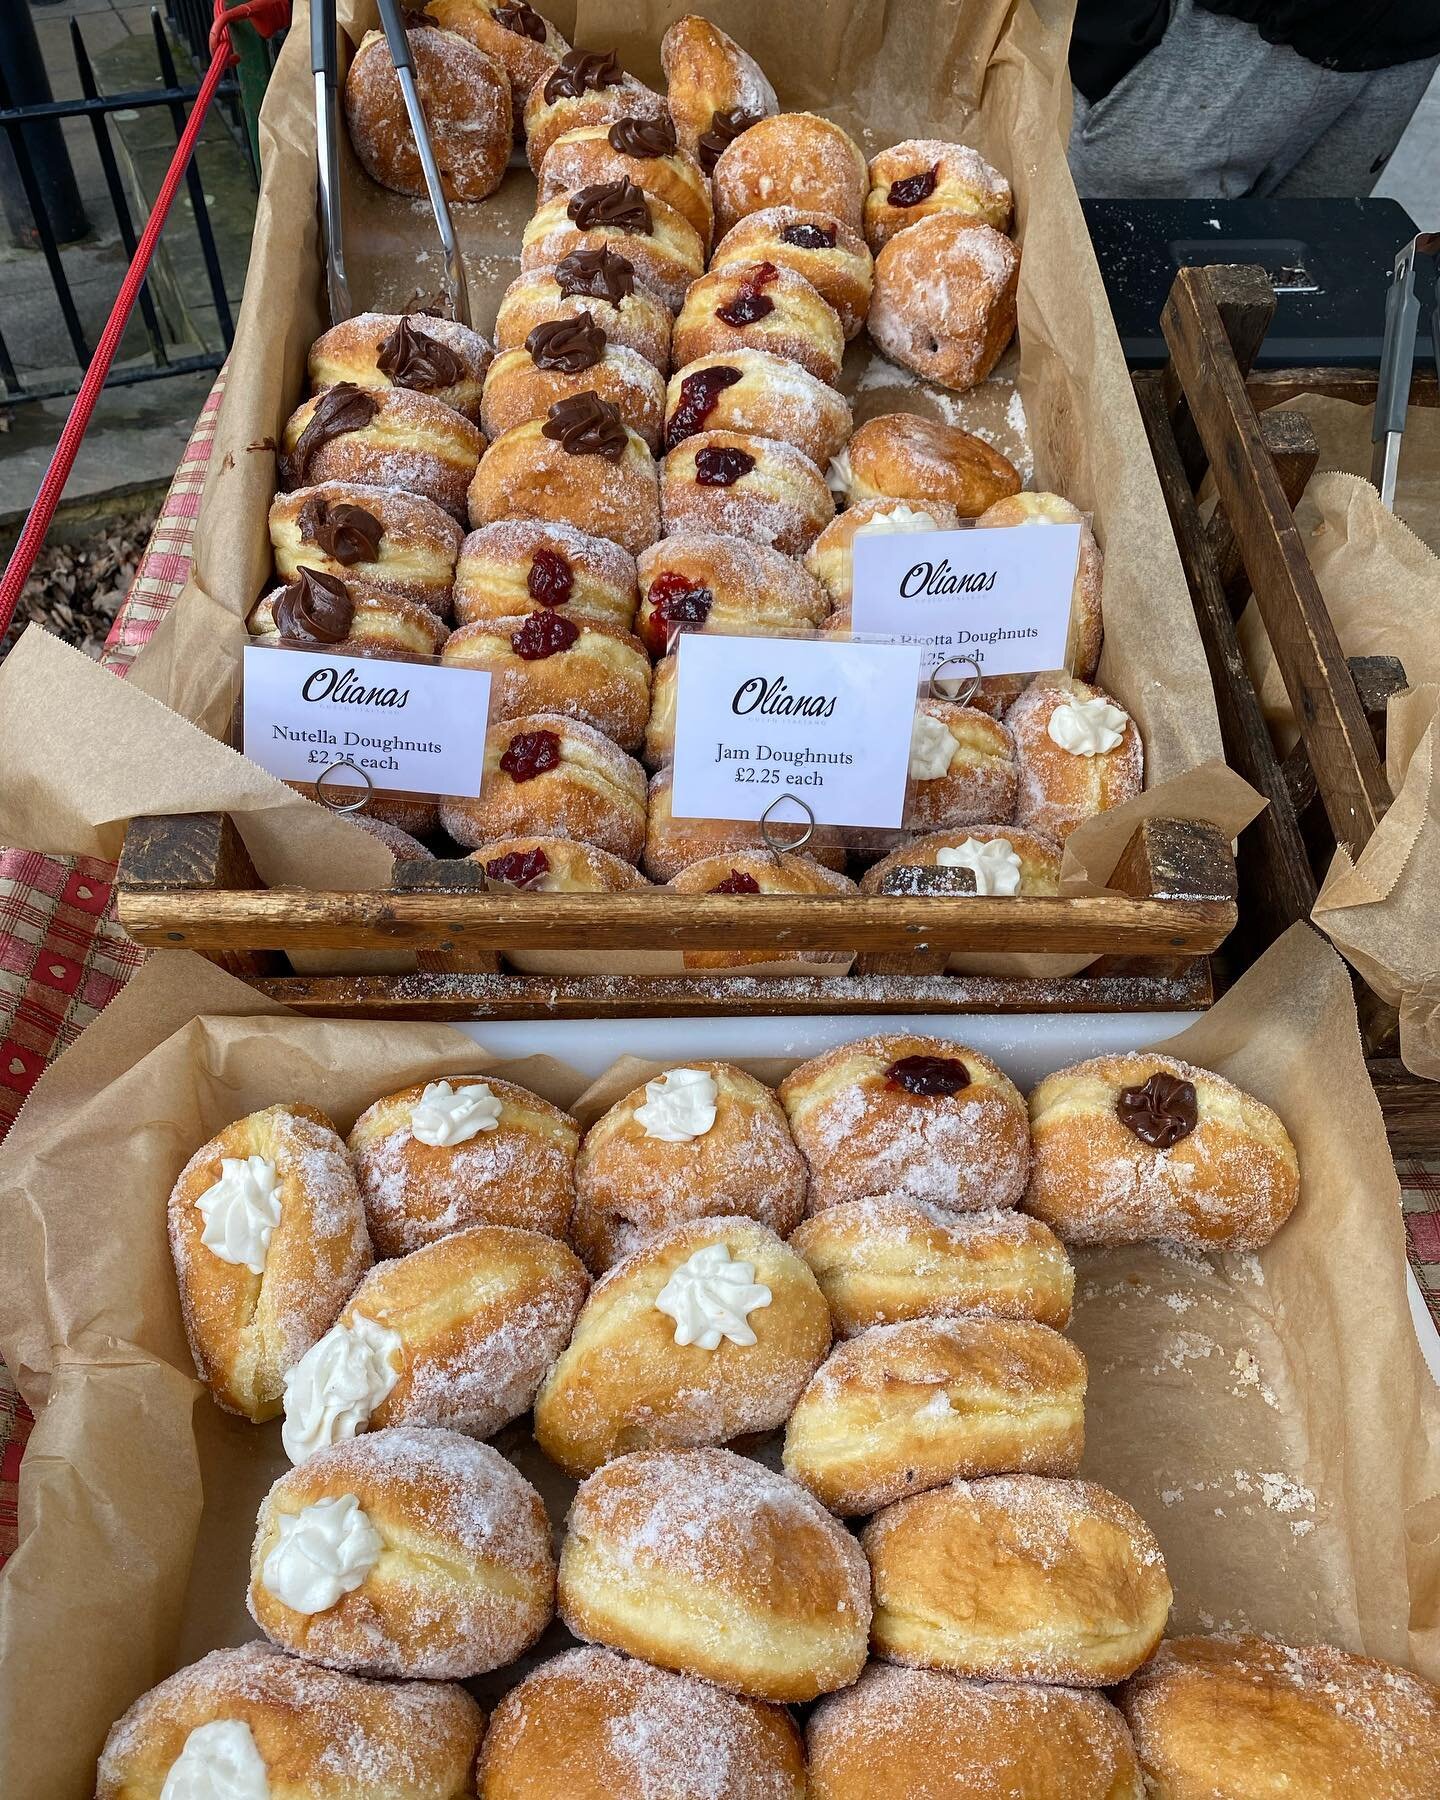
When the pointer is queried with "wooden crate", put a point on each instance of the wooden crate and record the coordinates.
(1208, 411)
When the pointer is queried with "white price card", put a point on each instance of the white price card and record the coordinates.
(414, 728)
(828, 721)
(999, 594)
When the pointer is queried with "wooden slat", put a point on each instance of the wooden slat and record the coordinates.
(441, 877)
(195, 853)
(1290, 439)
(1269, 387)
(1245, 300)
(1411, 1106)
(924, 884)
(1167, 858)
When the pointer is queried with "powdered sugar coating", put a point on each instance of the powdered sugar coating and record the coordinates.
(1058, 789)
(546, 120)
(516, 391)
(944, 299)
(775, 397)
(841, 274)
(798, 322)
(782, 501)
(753, 587)
(413, 442)
(707, 72)
(526, 475)
(963, 183)
(418, 544)
(466, 97)
(640, 320)
(493, 572)
(790, 159)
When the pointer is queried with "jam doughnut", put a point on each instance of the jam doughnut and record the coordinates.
(752, 390)
(832, 256)
(371, 537)
(701, 581)
(900, 456)
(791, 159)
(565, 357)
(1079, 754)
(751, 872)
(672, 844)
(644, 151)
(714, 89)
(529, 565)
(760, 306)
(586, 87)
(407, 350)
(741, 485)
(466, 95)
(548, 865)
(660, 244)
(548, 776)
(924, 176)
(1087, 628)
(385, 437)
(581, 464)
(944, 299)
(524, 44)
(317, 611)
(962, 768)
(830, 558)
(600, 282)
(1004, 860)
(548, 662)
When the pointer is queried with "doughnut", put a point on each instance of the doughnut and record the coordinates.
(701, 1142)
(900, 456)
(524, 565)
(580, 465)
(705, 581)
(540, 865)
(1017, 1578)
(644, 151)
(707, 73)
(403, 1553)
(369, 537)
(1136, 1147)
(550, 776)
(709, 1332)
(791, 159)
(400, 844)
(660, 244)
(525, 45)
(923, 176)
(757, 391)
(564, 358)
(748, 872)
(909, 1115)
(438, 357)
(591, 1725)
(741, 485)
(441, 1156)
(458, 1333)
(1079, 753)
(317, 611)
(252, 1721)
(466, 95)
(585, 87)
(831, 255)
(1087, 631)
(831, 558)
(268, 1237)
(887, 1259)
(600, 282)
(943, 304)
(1245, 1718)
(707, 1563)
(759, 306)
(547, 662)
(939, 1738)
(962, 768)
(387, 437)
(673, 844)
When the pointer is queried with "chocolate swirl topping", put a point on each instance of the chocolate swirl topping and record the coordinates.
(582, 72)
(586, 425)
(1161, 1112)
(569, 346)
(314, 609)
(341, 408)
(643, 137)
(523, 20)
(600, 273)
(343, 531)
(725, 127)
(618, 203)
(414, 359)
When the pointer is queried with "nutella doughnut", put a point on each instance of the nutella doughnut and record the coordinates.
(526, 45)
(831, 558)
(528, 565)
(580, 465)
(714, 89)
(909, 1115)
(368, 537)
(791, 159)
(569, 357)
(759, 306)
(831, 255)
(598, 281)
(924, 176)
(944, 299)
(438, 357)
(548, 865)
(317, 611)
(703, 581)
(547, 776)
(962, 768)
(466, 95)
(586, 87)
(389, 437)
(900, 456)
(644, 151)
(1079, 754)
(1138, 1147)
(547, 662)
(673, 844)
(756, 391)
(745, 872)
(1087, 630)
(740, 485)
(660, 244)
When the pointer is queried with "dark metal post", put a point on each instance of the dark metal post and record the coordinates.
(29, 85)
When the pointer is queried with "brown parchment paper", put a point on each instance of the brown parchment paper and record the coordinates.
(1271, 1416)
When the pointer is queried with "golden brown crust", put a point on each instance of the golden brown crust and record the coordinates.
(1245, 1718)
(1017, 1578)
(861, 1133)
(501, 569)
(1039, 858)
(906, 1407)
(351, 351)
(573, 868)
(791, 159)
(772, 875)
(1230, 1184)
(413, 442)
(707, 72)
(526, 475)
(1060, 789)
(419, 541)
(586, 157)
(887, 1259)
(516, 391)
(799, 323)
(641, 321)
(382, 625)
(944, 299)
(625, 1383)
(831, 558)
(774, 397)
(1087, 628)
(959, 180)
(630, 1186)
(672, 844)
(780, 497)
(666, 259)
(601, 678)
(245, 1330)
(464, 1581)
(318, 1732)
(520, 1173)
(752, 588)
(546, 120)
(841, 271)
(705, 1562)
(523, 59)
(980, 782)
(901, 456)
(466, 95)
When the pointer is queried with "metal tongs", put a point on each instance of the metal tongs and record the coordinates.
(324, 64)
(1397, 361)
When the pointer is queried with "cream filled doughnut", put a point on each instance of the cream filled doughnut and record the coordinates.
(535, 565)
(757, 391)
(741, 485)
(1003, 859)
(925, 175)
(599, 281)
(371, 538)
(547, 662)
(388, 437)
(580, 465)
(831, 558)
(944, 299)
(1079, 753)
(713, 88)
(831, 255)
(466, 96)
(439, 357)
(791, 159)
(1087, 630)
(759, 306)
(962, 768)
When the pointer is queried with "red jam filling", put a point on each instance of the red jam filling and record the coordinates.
(519, 868)
(809, 237)
(737, 882)
(698, 395)
(531, 753)
(914, 188)
(751, 302)
(928, 1075)
(544, 634)
(719, 465)
(551, 579)
(676, 602)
